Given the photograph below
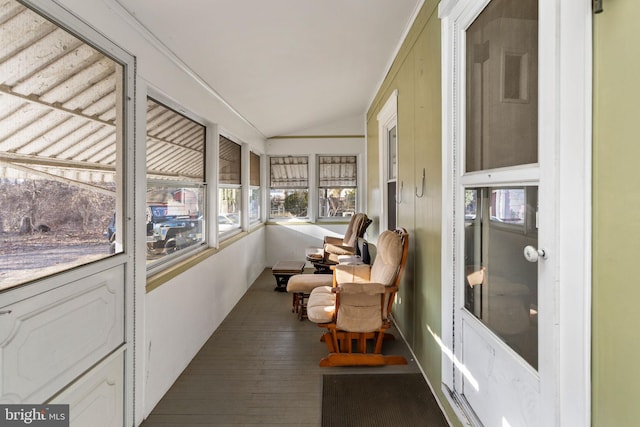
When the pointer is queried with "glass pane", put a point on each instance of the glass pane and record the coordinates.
(229, 209)
(254, 169)
(337, 171)
(337, 202)
(501, 285)
(289, 172)
(391, 205)
(60, 127)
(254, 205)
(229, 163)
(289, 203)
(502, 86)
(174, 218)
(175, 145)
(392, 138)
(175, 186)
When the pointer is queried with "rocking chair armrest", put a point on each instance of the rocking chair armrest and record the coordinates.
(334, 240)
(339, 249)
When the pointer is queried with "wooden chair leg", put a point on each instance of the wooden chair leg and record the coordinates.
(349, 338)
(362, 343)
(334, 336)
(378, 346)
(328, 340)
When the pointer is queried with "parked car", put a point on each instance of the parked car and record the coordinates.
(170, 226)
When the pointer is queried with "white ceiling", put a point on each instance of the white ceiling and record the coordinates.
(284, 65)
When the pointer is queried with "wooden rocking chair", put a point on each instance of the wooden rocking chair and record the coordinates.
(358, 306)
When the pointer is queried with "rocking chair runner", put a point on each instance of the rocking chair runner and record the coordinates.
(358, 306)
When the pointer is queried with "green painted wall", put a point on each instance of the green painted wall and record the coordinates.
(616, 216)
(416, 74)
(616, 202)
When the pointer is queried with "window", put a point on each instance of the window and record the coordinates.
(289, 187)
(176, 189)
(229, 186)
(392, 177)
(337, 185)
(388, 146)
(254, 187)
(61, 125)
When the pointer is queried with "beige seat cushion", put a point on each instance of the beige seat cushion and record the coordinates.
(321, 305)
(305, 283)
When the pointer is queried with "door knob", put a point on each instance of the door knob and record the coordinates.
(532, 254)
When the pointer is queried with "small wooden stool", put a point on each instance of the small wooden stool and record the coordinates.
(285, 269)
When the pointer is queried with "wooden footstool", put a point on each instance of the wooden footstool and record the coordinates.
(301, 286)
(285, 269)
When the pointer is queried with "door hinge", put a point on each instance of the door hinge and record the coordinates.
(597, 6)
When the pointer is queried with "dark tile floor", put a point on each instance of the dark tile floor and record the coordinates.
(260, 367)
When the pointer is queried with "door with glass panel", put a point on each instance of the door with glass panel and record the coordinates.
(500, 265)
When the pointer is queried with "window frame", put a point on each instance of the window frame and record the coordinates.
(125, 107)
(388, 120)
(306, 188)
(320, 188)
(253, 188)
(235, 229)
(172, 259)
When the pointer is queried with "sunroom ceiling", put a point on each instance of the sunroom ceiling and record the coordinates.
(286, 66)
(283, 65)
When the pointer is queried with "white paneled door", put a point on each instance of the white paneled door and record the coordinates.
(505, 264)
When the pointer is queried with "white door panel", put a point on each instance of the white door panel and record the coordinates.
(49, 339)
(97, 398)
(490, 374)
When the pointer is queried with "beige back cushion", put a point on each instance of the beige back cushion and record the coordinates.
(354, 226)
(389, 255)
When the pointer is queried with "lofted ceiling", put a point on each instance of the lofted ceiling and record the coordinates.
(284, 65)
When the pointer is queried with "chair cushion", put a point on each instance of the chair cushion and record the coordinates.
(360, 307)
(352, 273)
(348, 289)
(388, 258)
(305, 283)
(321, 305)
(355, 225)
(359, 319)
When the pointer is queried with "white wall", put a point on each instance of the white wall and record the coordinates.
(288, 241)
(183, 313)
